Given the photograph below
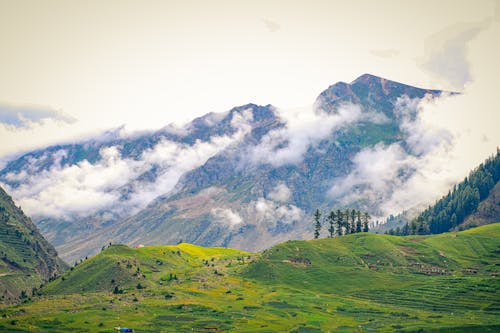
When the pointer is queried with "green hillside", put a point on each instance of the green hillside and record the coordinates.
(356, 283)
(26, 258)
(122, 267)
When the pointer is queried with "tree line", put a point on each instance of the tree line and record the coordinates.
(452, 209)
(341, 222)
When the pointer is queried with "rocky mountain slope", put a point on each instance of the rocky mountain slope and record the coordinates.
(247, 178)
(27, 259)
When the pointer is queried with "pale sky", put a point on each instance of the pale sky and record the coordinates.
(72, 68)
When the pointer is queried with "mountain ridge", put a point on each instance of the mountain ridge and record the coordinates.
(271, 168)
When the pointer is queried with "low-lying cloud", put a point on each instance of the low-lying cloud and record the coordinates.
(270, 212)
(405, 174)
(115, 183)
(226, 216)
(442, 142)
(280, 193)
(305, 127)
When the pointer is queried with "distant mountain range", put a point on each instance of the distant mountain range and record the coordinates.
(248, 178)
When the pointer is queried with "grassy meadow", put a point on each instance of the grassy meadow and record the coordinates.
(357, 283)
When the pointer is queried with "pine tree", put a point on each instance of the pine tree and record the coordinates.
(406, 230)
(397, 232)
(358, 222)
(347, 225)
(317, 224)
(413, 228)
(340, 222)
(366, 220)
(353, 221)
(331, 222)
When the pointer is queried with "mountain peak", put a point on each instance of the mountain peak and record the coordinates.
(367, 78)
(371, 90)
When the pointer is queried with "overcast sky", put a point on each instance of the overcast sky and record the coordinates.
(73, 68)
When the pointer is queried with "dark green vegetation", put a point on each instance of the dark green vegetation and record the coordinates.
(341, 223)
(453, 209)
(356, 283)
(26, 258)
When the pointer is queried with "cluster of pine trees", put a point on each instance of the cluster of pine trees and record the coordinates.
(341, 222)
(452, 209)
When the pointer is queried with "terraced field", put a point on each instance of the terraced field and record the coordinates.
(356, 283)
(26, 258)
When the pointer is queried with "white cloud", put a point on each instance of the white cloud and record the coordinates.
(376, 173)
(421, 137)
(77, 189)
(271, 25)
(226, 216)
(304, 127)
(267, 211)
(24, 117)
(446, 54)
(280, 193)
(83, 188)
(404, 174)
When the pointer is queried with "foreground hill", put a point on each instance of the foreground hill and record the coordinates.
(247, 178)
(361, 282)
(27, 259)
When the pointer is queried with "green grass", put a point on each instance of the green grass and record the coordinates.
(357, 283)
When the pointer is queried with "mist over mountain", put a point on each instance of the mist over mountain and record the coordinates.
(247, 178)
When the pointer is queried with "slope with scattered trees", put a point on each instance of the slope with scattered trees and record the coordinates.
(463, 201)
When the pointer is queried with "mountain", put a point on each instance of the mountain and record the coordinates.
(27, 259)
(247, 178)
(359, 282)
